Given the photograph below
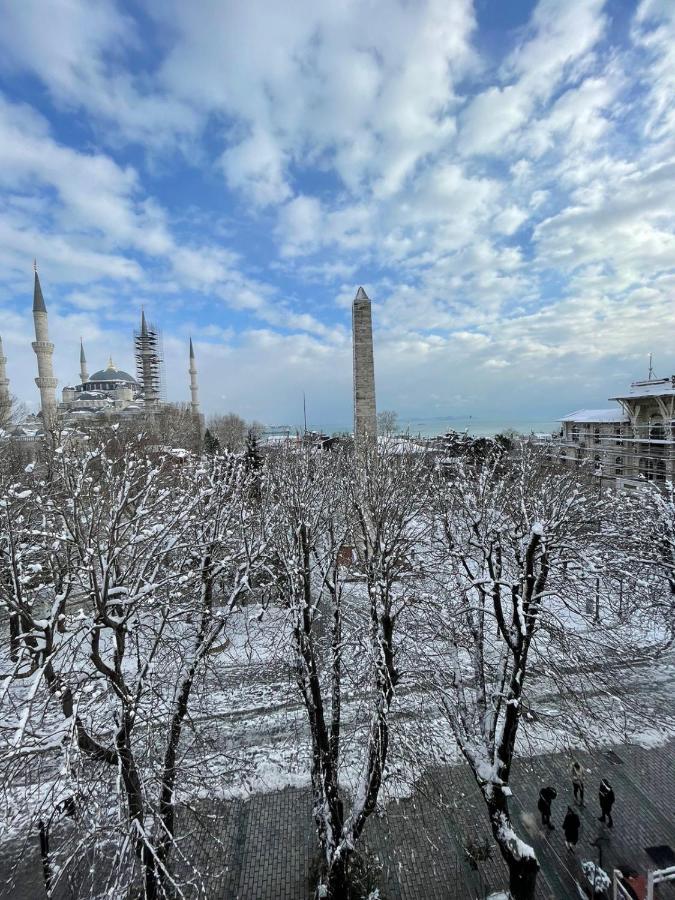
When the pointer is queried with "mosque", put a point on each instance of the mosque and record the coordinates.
(109, 392)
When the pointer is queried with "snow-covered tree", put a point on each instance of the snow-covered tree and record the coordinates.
(111, 568)
(329, 503)
(211, 443)
(253, 459)
(519, 549)
(650, 522)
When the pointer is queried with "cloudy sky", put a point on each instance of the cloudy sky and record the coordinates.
(500, 176)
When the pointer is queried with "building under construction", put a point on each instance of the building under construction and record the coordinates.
(149, 362)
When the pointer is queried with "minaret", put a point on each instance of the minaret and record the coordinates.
(194, 397)
(43, 350)
(365, 416)
(5, 399)
(148, 363)
(84, 375)
(194, 387)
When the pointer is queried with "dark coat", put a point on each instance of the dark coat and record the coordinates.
(571, 825)
(546, 796)
(606, 797)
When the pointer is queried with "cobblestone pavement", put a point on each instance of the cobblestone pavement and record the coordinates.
(264, 848)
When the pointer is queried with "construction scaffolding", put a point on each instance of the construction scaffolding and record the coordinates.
(627, 444)
(149, 353)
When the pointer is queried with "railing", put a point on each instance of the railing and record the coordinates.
(620, 892)
(658, 876)
(654, 877)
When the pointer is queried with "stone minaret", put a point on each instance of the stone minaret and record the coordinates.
(194, 387)
(194, 396)
(365, 415)
(84, 375)
(43, 350)
(5, 399)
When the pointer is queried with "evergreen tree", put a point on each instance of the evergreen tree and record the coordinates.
(252, 456)
(211, 443)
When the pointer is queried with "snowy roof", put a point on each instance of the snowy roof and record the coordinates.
(656, 387)
(90, 395)
(112, 373)
(399, 445)
(596, 415)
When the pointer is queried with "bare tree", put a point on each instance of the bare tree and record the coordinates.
(230, 430)
(141, 544)
(12, 412)
(327, 502)
(518, 548)
(654, 542)
(387, 422)
(176, 425)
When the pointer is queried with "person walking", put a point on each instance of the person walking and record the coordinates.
(546, 797)
(571, 825)
(606, 798)
(577, 774)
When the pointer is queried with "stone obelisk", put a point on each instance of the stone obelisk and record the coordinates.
(44, 350)
(365, 414)
(5, 399)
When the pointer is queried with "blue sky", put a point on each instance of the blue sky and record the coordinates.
(499, 176)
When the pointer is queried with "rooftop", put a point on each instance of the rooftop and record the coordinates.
(111, 373)
(596, 415)
(654, 387)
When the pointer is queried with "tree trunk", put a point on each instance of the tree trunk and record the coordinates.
(336, 879)
(14, 636)
(152, 881)
(522, 868)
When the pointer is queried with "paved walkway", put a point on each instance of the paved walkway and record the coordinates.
(264, 848)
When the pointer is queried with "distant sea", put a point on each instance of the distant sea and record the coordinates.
(430, 427)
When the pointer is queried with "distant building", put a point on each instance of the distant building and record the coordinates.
(627, 443)
(108, 392)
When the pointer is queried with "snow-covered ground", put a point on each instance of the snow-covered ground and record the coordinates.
(248, 727)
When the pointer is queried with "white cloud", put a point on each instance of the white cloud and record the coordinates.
(559, 34)
(353, 154)
(275, 83)
(509, 219)
(654, 33)
(256, 165)
(78, 50)
(491, 117)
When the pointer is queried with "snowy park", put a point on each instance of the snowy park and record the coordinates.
(329, 674)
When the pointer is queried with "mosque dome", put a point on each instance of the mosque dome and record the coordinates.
(112, 373)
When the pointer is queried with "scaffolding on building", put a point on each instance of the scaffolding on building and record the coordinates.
(149, 353)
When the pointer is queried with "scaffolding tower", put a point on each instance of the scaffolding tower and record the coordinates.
(150, 362)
